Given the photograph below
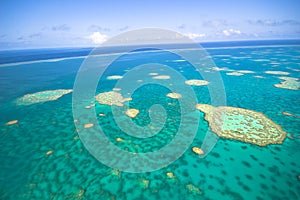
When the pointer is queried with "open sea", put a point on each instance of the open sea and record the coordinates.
(43, 157)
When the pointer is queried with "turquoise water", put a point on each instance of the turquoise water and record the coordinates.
(232, 170)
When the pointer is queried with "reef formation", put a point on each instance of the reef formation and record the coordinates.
(111, 98)
(241, 124)
(44, 96)
(288, 83)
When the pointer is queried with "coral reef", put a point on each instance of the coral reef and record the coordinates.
(44, 96)
(242, 124)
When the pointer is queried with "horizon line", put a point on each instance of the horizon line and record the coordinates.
(196, 42)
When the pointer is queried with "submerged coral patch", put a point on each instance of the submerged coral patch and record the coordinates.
(192, 188)
(44, 96)
(242, 124)
(111, 98)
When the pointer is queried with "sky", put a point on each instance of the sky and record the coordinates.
(79, 23)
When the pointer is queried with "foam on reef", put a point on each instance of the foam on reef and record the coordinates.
(241, 124)
(44, 96)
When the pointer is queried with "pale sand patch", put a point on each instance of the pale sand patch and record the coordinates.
(132, 112)
(197, 150)
(258, 77)
(287, 113)
(114, 77)
(12, 122)
(295, 70)
(246, 71)
(234, 74)
(174, 95)
(161, 77)
(220, 68)
(196, 82)
(88, 125)
(170, 175)
(277, 72)
(287, 78)
(49, 152)
(290, 114)
(116, 89)
(153, 74)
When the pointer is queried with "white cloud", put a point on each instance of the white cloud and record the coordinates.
(97, 37)
(215, 23)
(194, 36)
(231, 31)
(271, 22)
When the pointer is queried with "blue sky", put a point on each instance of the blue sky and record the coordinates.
(69, 23)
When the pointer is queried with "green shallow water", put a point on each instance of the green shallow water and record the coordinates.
(232, 170)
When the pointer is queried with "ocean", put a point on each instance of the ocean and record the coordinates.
(43, 155)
